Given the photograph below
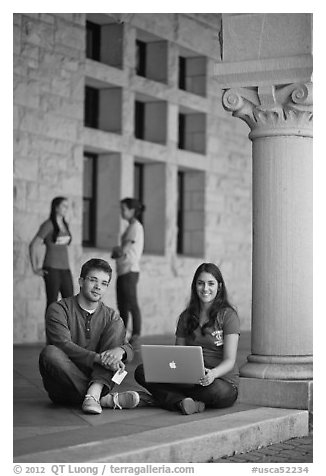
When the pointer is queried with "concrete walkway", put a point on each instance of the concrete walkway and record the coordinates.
(46, 433)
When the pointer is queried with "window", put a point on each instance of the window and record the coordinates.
(151, 182)
(192, 73)
(139, 184)
(93, 37)
(91, 107)
(139, 181)
(140, 58)
(182, 131)
(139, 119)
(104, 40)
(182, 72)
(150, 119)
(103, 108)
(192, 131)
(89, 199)
(180, 213)
(151, 57)
(191, 213)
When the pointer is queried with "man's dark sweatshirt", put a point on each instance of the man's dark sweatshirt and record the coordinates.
(82, 335)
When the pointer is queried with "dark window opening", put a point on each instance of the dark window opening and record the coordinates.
(180, 213)
(89, 199)
(139, 120)
(182, 131)
(140, 58)
(93, 39)
(91, 107)
(182, 73)
(192, 74)
(139, 184)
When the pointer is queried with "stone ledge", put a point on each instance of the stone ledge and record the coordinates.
(196, 441)
(277, 393)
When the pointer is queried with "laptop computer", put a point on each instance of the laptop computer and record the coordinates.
(173, 363)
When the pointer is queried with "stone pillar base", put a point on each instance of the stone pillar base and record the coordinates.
(278, 367)
(276, 393)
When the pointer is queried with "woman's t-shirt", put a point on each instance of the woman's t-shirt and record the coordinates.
(132, 242)
(212, 342)
(56, 255)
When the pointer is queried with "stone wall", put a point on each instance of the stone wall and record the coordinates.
(49, 63)
(49, 140)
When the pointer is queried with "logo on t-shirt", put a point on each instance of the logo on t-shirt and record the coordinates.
(62, 240)
(218, 337)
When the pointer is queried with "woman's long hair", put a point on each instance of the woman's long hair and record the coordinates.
(53, 217)
(220, 303)
(134, 204)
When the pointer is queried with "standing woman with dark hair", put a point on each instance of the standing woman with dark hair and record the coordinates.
(211, 322)
(54, 233)
(127, 257)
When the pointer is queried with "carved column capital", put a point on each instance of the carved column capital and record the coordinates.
(273, 110)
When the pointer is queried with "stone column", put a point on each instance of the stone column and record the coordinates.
(279, 369)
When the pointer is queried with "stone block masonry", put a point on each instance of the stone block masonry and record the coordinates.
(50, 74)
(48, 104)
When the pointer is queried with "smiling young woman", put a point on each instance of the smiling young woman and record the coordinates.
(211, 322)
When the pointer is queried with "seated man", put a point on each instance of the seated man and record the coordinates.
(85, 346)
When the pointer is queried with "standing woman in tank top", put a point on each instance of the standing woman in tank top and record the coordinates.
(127, 257)
(54, 233)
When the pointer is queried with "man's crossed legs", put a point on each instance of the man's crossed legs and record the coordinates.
(92, 387)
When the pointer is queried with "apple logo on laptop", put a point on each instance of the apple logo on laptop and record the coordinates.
(172, 365)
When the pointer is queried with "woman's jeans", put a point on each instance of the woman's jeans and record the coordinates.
(218, 394)
(65, 382)
(57, 280)
(127, 300)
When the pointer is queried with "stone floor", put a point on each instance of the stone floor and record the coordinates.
(43, 432)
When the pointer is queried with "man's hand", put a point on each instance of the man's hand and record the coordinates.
(112, 359)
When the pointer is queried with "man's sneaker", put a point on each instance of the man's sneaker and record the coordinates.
(121, 400)
(188, 406)
(91, 405)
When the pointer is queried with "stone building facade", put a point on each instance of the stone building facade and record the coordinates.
(107, 107)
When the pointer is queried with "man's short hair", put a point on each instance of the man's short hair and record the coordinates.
(95, 263)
